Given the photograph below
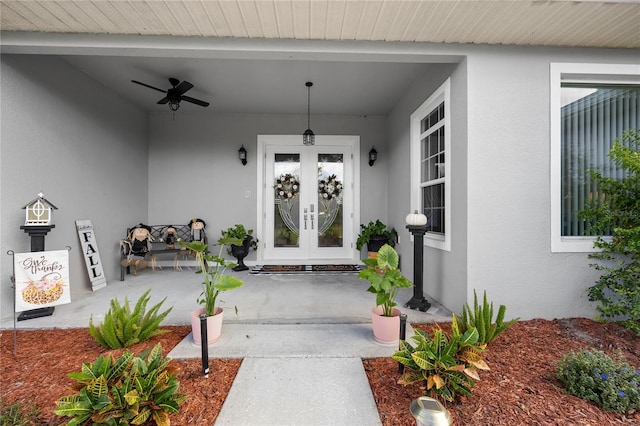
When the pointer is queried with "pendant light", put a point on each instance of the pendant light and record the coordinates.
(308, 138)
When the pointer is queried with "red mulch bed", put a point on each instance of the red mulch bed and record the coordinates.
(520, 388)
(46, 356)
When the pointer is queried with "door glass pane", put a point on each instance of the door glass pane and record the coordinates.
(286, 224)
(329, 206)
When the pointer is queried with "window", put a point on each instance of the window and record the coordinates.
(431, 166)
(591, 105)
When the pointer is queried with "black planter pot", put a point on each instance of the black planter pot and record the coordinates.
(376, 242)
(240, 252)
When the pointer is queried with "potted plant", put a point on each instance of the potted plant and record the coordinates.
(240, 251)
(375, 235)
(214, 281)
(385, 279)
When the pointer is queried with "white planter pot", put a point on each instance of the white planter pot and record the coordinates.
(386, 330)
(214, 326)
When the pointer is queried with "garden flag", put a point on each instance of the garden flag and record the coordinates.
(42, 279)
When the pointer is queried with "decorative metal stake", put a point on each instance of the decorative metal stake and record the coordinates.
(204, 342)
(403, 336)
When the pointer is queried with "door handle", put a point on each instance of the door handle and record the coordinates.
(312, 207)
(305, 218)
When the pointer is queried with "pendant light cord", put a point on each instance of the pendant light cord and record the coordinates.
(309, 105)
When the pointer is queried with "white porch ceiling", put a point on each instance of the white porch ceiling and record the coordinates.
(117, 41)
(603, 23)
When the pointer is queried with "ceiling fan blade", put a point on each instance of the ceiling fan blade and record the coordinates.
(194, 101)
(150, 87)
(163, 100)
(183, 87)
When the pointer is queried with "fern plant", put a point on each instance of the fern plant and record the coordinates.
(123, 328)
(481, 318)
(129, 390)
(448, 364)
(18, 414)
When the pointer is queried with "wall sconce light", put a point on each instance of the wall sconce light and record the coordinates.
(242, 155)
(373, 156)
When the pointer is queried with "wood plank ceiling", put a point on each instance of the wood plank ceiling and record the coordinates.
(590, 23)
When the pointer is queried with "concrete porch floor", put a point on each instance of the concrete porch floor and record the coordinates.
(264, 299)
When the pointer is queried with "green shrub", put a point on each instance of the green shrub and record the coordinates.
(448, 364)
(240, 232)
(376, 229)
(615, 210)
(612, 384)
(482, 319)
(122, 327)
(125, 391)
(17, 414)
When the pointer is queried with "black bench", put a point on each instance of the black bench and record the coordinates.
(158, 247)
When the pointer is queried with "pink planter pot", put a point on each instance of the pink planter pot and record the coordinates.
(214, 326)
(386, 330)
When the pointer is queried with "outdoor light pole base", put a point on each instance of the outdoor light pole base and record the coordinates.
(36, 313)
(418, 303)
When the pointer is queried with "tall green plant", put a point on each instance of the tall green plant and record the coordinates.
(123, 327)
(616, 208)
(481, 318)
(385, 278)
(448, 364)
(214, 280)
(129, 390)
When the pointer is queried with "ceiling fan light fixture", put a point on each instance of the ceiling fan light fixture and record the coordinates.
(175, 94)
(308, 137)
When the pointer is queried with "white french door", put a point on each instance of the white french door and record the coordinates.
(308, 201)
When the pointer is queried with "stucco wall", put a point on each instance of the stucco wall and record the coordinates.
(509, 182)
(194, 168)
(80, 145)
(444, 279)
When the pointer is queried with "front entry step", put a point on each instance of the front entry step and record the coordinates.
(290, 341)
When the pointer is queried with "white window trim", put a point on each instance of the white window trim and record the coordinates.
(442, 93)
(587, 73)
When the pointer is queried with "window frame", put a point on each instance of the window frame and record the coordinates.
(574, 73)
(440, 95)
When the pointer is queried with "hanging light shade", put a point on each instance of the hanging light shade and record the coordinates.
(308, 137)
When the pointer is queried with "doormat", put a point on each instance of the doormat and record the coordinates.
(305, 269)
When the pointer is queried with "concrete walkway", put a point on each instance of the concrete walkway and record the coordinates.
(301, 337)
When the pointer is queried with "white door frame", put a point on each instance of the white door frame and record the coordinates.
(262, 185)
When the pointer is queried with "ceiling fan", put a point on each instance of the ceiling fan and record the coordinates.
(175, 94)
